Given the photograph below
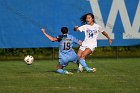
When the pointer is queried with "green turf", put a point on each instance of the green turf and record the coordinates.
(112, 76)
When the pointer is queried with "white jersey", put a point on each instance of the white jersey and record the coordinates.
(91, 34)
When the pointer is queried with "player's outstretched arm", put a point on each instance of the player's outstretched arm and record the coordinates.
(106, 35)
(48, 36)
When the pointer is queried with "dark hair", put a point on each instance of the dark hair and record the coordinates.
(64, 30)
(83, 18)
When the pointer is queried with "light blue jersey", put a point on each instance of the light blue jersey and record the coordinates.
(66, 53)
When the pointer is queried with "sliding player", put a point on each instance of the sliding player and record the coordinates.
(66, 53)
(91, 30)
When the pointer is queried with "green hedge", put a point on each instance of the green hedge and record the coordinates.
(49, 53)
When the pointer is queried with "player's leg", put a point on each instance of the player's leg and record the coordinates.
(86, 52)
(60, 66)
(63, 62)
(59, 69)
(82, 61)
(79, 53)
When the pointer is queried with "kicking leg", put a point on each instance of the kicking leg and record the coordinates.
(86, 52)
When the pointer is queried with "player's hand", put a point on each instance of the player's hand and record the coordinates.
(75, 28)
(80, 42)
(110, 41)
(43, 30)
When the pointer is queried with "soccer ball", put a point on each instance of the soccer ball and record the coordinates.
(28, 59)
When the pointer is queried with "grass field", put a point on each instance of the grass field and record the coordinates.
(112, 76)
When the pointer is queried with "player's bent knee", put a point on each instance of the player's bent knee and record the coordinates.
(83, 56)
(79, 56)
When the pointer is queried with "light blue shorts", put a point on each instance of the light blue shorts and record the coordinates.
(65, 58)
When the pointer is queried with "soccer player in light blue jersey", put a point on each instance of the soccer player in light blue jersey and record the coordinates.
(66, 52)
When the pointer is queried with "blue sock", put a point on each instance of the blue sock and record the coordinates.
(83, 63)
(61, 71)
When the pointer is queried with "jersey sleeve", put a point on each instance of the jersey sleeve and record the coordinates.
(59, 38)
(82, 28)
(101, 29)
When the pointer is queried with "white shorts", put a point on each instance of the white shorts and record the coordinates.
(92, 48)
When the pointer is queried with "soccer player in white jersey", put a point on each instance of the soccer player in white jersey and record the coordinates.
(91, 30)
